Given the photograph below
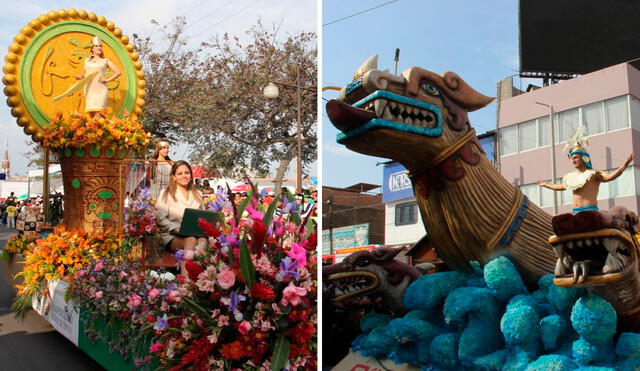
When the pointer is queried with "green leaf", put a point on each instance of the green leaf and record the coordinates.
(270, 211)
(280, 353)
(309, 228)
(295, 217)
(243, 205)
(200, 311)
(247, 269)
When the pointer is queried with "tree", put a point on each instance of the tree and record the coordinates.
(211, 97)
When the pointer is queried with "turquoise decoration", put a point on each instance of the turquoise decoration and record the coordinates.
(457, 324)
(378, 123)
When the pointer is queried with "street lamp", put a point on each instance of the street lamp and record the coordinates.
(553, 155)
(271, 91)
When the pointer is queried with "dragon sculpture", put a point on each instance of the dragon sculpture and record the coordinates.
(370, 276)
(420, 120)
(597, 250)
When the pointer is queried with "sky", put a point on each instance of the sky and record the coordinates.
(476, 39)
(204, 18)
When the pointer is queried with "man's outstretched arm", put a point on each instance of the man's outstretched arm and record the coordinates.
(555, 187)
(605, 177)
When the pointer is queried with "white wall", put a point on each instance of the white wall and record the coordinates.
(408, 234)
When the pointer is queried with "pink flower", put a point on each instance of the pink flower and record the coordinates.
(98, 294)
(244, 327)
(134, 300)
(298, 253)
(80, 273)
(153, 293)
(99, 266)
(188, 254)
(174, 296)
(155, 347)
(292, 295)
(123, 274)
(226, 279)
(223, 320)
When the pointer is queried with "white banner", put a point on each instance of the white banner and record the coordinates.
(63, 316)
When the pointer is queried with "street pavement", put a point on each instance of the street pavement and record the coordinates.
(34, 345)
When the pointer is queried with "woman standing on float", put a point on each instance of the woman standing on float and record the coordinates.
(160, 172)
(96, 93)
(179, 195)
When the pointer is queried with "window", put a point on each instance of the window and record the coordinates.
(623, 185)
(532, 192)
(567, 122)
(509, 140)
(544, 133)
(635, 113)
(527, 135)
(546, 196)
(407, 213)
(593, 118)
(616, 113)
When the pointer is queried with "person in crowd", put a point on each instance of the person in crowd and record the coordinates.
(307, 206)
(96, 93)
(160, 171)
(206, 188)
(12, 213)
(172, 201)
(3, 211)
(237, 198)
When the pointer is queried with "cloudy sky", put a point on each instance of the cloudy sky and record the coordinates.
(205, 18)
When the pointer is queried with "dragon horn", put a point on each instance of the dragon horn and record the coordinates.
(451, 84)
(370, 64)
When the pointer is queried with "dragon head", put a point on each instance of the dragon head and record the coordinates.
(368, 275)
(595, 248)
(385, 115)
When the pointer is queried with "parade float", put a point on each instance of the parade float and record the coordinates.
(526, 291)
(248, 300)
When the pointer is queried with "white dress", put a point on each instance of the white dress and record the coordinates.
(95, 93)
(170, 213)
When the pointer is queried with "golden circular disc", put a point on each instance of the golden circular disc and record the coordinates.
(48, 54)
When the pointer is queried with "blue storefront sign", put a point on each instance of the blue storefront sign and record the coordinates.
(396, 185)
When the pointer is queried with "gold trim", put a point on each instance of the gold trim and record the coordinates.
(444, 154)
(14, 56)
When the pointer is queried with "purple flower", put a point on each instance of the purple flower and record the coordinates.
(179, 255)
(232, 302)
(289, 207)
(287, 268)
(161, 323)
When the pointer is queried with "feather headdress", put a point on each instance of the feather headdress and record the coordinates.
(575, 144)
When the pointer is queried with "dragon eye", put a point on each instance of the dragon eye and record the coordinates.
(429, 88)
(363, 262)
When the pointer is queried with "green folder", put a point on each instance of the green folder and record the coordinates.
(189, 226)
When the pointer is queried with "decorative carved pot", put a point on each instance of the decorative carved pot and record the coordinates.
(94, 182)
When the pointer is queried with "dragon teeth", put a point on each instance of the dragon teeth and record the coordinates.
(588, 242)
(379, 106)
(611, 244)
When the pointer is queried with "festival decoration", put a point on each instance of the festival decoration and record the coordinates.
(248, 300)
(50, 51)
(420, 120)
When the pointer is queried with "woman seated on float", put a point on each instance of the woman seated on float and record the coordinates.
(172, 201)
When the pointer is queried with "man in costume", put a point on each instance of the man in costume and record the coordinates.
(584, 182)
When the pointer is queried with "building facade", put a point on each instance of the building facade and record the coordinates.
(605, 103)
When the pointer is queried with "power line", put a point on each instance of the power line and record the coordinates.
(208, 14)
(232, 15)
(361, 12)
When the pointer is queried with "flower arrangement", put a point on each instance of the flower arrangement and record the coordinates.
(17, 244)
(140, 216)
(247, 301)
(78, 130)
(58, 256)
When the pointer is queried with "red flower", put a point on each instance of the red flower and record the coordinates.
(259, 231)
(232, 351)
(151, 318)
(193, 269)
(198, 354)
(262, 291)
(208, 228)
(299, 314)
(313, 241)
(302, 333)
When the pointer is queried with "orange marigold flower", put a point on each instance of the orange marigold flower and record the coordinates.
(232, 351)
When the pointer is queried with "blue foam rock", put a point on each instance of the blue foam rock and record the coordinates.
(584, 352)
(503, 279)
(594, 319)
(372, 320)
(520, 326)
(443, 350)
(491, 362)
(551, 362)
(563, 298)
(376, 344)
(628, 344)
(552, 329)
(430, 290)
